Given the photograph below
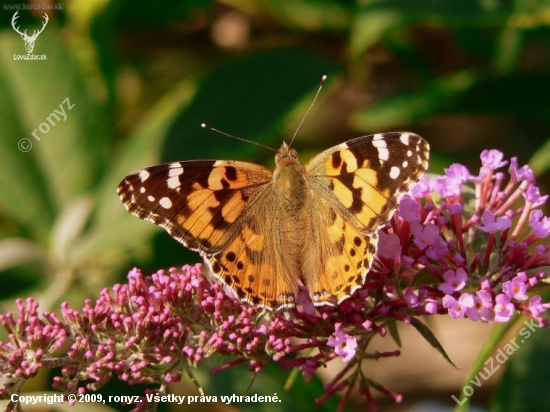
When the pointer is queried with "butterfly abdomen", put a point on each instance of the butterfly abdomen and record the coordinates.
(290, 220)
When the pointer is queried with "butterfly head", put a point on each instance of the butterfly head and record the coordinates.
(286, 155)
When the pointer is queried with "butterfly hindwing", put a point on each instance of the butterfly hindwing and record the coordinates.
(340, 256)
(254, 264)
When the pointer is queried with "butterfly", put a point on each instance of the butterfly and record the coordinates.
(267, 234)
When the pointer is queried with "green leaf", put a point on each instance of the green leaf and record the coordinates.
(19, 251)
(69, 226)
(407, 108)
(378, 18)
(248, 97)
(525, 382)
(23, 195)
(236, 380)
(540, 161)
(517, 94)
(310, 15)
(485, 353)
(59, 112)
(391, 326)
(66, 149)
(510, 48)
(129, 13)
(461, 92)
(430, 337)
(115, 231)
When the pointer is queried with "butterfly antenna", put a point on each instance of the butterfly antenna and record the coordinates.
(205, 126)
(323, 79)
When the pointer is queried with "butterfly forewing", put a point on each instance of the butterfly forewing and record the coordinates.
(197, 202)
(367, 176)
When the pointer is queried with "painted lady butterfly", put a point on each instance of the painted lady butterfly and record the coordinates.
(268, 233)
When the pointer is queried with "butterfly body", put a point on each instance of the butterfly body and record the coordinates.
(267, 234)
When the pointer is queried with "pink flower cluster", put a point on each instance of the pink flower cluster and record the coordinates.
(484, 249)
(465, 245)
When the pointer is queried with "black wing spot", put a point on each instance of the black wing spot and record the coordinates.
(336, 160)
(231, 173)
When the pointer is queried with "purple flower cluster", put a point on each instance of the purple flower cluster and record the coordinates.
(483, 249)
(468, 245)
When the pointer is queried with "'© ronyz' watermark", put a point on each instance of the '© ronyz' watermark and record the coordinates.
(501, 357)
(56, 116)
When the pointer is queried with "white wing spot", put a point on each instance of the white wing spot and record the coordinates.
(405, 164)
(409, 153)
(173, 182)
(151, 198)
(175, 170)
(405, 138)
(380, 143)
(142, 189)
(165, 203)
(144, 175)
(394, 172)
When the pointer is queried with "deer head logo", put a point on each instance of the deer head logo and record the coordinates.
(29, 40)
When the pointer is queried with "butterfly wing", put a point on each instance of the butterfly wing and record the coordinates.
(360, 183)
(216, 208)
(255, 263)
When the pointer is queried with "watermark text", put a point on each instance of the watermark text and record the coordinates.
(500, 357)
(38, 6)
(55, 117)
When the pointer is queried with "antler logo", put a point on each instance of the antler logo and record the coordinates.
(29, 40)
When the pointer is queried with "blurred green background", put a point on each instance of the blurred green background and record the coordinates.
(136, 80)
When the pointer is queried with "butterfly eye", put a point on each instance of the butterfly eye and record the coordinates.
(286, 156)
